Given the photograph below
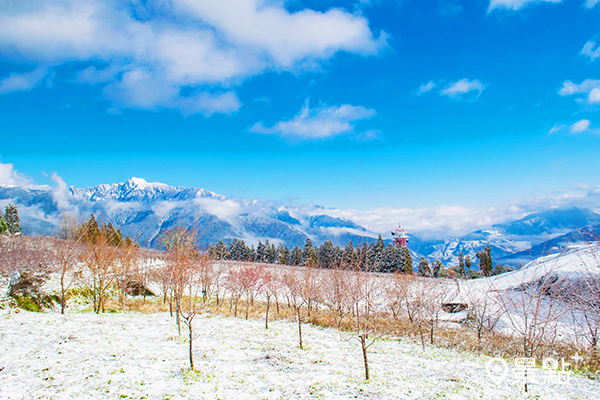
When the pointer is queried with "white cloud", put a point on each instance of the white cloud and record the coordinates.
(590, 50)
(145, 62)
(425, 88)
(9, 176)
(286, 38)
(580, 126)
(318, 123)
(517, 4)
(225, 210)
(591, 3)
(16, 82)
(459, 89)
(589, 87)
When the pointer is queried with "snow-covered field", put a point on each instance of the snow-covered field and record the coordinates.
(131, 355)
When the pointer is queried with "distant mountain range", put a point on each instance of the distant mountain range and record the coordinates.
(144, 210)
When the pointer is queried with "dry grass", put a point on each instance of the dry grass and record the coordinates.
(461, 337)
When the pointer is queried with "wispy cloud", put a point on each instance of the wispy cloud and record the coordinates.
(590, 50)
(209, 47)
(318, 123)
(463, 89)
(425, 88)
(591, 3)
(589, 87)
(17, 82)
(9, 176)
(581, 126)
(517, 4)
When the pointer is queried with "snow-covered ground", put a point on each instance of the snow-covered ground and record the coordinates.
(131, 355)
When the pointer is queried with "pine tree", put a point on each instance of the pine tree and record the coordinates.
(424, 269)
(407, 265)
(461, 264)
(438, 269)
(349, 254)
(11, 216)
(3, 225)
(468, 264)
(390, 261)
(376, 254)
(326, 255)
(296, 256)
(485, 260)
(309, 255)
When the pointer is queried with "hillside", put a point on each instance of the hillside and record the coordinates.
(140, 356)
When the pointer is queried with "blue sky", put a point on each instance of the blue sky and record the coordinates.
(349, 104)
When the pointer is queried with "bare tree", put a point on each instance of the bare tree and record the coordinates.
(364, 290)
(335, 291)
(295, 294)
(269, 287)
(483, 308)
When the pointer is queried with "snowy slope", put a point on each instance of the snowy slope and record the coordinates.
(573, 262)
(87, 356)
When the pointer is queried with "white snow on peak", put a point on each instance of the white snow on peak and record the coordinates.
(143, 184)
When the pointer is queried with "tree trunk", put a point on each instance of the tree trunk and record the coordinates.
(267, 312)
(431, 332)
(191, 345)
(299, 327)
(363, 344)
(247, 306)
(422, 337)
(63, 300)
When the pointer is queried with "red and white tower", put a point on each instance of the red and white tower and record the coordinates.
(400, 236)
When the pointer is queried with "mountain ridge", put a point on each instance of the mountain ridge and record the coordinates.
(146, 209)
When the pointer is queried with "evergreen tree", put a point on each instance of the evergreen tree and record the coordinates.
(273, 257)
(376, 253)
(326, 254)
(424, 269)
(3, 225)
(11, 216)
(309, 255)
(296, 256)
(390, 262)
(349, 254)
(220, 251)
(485, 260)
(91, 230)
(438, 269)
(461, 265)
(281, 255)
(407, 265)
(468, 264)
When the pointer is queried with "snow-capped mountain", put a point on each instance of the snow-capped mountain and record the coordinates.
(144, 210)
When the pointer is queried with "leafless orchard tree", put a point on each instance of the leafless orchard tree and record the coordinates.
(365, 290)
(533, 311)
(295, 292)
(233, 284)
(100, 256)
(484, 308)
(335, 291)
(269, 287)
(397, 292)
(582, 294)
(67, 251)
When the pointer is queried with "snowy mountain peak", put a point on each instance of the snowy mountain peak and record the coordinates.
(138, 189)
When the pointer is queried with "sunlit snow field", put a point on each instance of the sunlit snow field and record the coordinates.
(131, 355)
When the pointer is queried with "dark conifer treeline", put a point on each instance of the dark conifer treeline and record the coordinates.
(374, 256)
